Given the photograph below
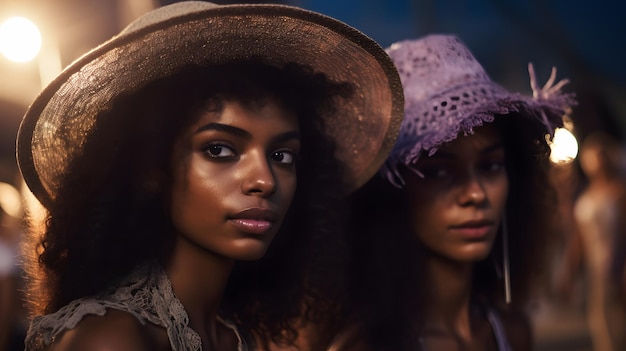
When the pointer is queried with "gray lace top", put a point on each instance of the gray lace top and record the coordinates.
(146, 293)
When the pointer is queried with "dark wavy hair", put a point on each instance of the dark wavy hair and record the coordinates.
(109, 214)
(389, 286)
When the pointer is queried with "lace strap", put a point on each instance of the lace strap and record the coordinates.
(146, 293)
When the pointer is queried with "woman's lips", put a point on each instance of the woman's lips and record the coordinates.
(254, 220)
(473, 230)
(252, 226)
(475, 233)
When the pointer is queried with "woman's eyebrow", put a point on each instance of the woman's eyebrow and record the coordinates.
(495, 147)
(224, 128)
(286, 136)
(236, 131)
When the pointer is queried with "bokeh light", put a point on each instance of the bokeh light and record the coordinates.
(10, 200)
(564, 146)
(20, 39)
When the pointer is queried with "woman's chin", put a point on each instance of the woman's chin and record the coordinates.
(249, 251)
(472, 253)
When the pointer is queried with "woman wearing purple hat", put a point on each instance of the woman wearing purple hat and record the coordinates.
(191, 170)
(449, 241)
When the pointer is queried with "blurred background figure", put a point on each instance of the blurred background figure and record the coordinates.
(12, 316)
(597, 247)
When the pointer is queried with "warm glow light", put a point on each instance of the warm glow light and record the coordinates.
(564, 146)
(20, 39)
(10, 200)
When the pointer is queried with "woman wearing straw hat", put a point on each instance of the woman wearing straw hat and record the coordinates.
(462, 209)
(170, 157)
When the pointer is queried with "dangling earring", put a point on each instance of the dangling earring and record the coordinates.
(505, 261)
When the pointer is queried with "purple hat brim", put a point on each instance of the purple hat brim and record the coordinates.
(411, 144)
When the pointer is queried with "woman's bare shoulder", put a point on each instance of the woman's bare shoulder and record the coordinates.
(115, 331)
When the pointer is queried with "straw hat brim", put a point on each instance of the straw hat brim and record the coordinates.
(163, 41)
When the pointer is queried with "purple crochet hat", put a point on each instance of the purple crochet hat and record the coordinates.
(447, 92)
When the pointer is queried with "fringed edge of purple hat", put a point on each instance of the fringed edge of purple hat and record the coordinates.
(547, 106)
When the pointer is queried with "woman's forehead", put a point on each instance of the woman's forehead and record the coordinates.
(485, 136)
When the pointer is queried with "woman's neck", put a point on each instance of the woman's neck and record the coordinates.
(199, 279)
(450, 286)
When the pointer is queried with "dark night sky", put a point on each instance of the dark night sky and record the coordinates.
(583, 39)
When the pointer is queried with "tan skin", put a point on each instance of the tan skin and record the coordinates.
(598, 214)
(234, 179)
(456, 210)
(598, 164)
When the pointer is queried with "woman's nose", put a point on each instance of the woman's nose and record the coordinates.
(472, 191)
(259, 179)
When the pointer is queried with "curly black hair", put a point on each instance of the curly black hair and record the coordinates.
(109, 214)
(389, 286)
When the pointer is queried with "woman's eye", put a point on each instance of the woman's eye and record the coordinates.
(493, 166)
(219, 151)
(435, 172)
(283, 156)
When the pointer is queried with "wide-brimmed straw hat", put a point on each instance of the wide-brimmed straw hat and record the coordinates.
(448, 93)
(163, 41)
